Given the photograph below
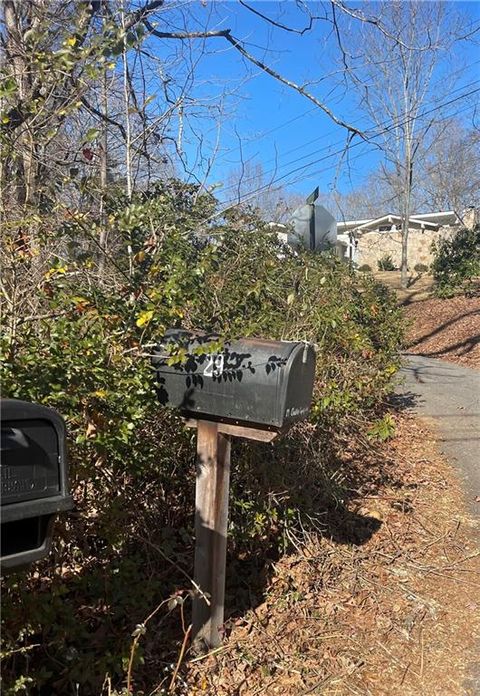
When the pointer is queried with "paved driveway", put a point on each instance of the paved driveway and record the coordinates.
(449, 395)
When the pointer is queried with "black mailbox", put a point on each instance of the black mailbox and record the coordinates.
(34, 480)
(266, 384)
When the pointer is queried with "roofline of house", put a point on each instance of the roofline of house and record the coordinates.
(426, 216)
(344, 223)
(391, 217)
(376, 221)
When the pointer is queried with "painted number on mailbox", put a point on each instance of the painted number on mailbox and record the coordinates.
(214, 366)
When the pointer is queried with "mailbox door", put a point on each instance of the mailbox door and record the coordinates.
(297, 386)
(30, 460)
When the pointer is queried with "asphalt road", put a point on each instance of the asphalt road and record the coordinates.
(449, 395)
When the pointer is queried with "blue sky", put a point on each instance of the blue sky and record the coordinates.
(266, 122)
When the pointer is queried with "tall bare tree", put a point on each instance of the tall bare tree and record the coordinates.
(272, 201)
(60, 115)
(450, 171)
(392, 73)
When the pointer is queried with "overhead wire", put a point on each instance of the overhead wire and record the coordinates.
(357, 144)
(364, 154)
(233, 203)
(322, 137)
(330, 145)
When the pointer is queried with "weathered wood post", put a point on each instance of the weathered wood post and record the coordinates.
(211, 520)
(251, 388)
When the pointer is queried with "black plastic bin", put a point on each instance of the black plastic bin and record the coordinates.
(34, 485)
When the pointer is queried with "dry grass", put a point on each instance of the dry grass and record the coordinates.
(420, 285)
(448, 329)
(399, 614)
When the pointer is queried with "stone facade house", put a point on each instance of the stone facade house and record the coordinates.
(367, 241)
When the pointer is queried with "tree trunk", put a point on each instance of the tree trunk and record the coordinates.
(407, 195)
(405, 229)
(103, 181)
(128, 135)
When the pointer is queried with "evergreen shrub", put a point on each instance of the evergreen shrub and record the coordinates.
(386, 263)
(85, 349)
(421, 268)
(456, 263)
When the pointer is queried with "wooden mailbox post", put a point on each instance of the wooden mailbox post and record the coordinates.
(253, 389)
(211, 520)
(211, 523)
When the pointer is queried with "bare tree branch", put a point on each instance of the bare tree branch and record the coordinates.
(103, 117)
(279, 24)
(356, 14)
(142, 13)
(227, 35)
(186, 36)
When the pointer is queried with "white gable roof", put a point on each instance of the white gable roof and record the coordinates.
(397, 220)
(430, 221)
(447, 217)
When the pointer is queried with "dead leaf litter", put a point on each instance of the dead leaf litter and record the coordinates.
(399, 614)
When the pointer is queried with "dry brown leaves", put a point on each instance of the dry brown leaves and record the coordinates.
(397, 615)
(448, 329)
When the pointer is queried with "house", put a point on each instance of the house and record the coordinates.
(367, 241)
(364, 242)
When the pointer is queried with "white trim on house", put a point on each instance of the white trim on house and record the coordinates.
(447, 217)
(350, 224)
(347, 247)
(423, 221)
(393, 220)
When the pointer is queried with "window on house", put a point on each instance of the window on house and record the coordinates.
(384, 228)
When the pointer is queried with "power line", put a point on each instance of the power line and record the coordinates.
(322, 137)
(371, 137)
(235, 203)
(337, 143)
(362, 154)
(357, 144)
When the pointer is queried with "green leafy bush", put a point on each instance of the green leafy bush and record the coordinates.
(68, 623)
(386, 263)
(456, 263)
(421, 268)
(365, 268)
